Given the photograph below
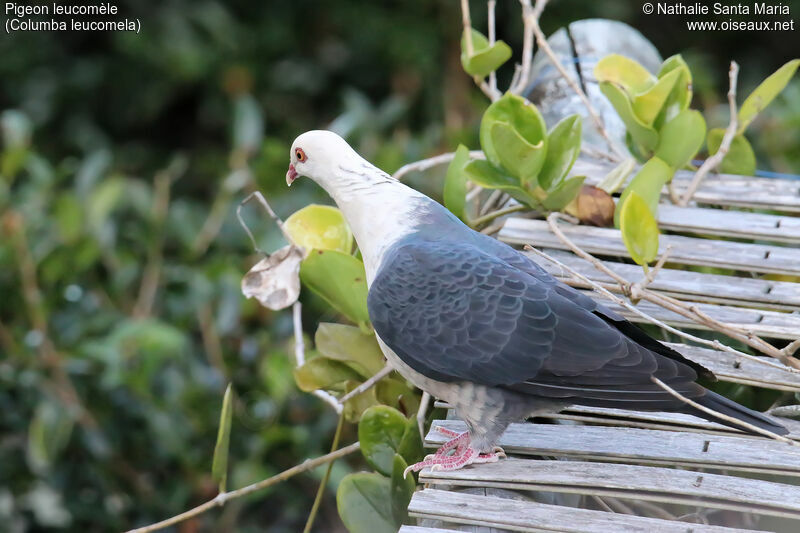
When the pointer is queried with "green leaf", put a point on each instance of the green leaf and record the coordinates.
(411, 444)
(323, 373)
(641, 133)
(625, 72)
(681, 95)
(489, 177)
(219, 469)
(647, 183)
(766, 93)
(639, 229)
(520, 158)
(402, 489)
(320, 227)
(681, 138)
(48, 434)
(397, 393)
(380, 432)
(357, 405)
(485, 59)
(649, 104)
(350, 345)
(523, 117)
(563, 146)
(617, 176)
(740, 158)
(566, 191)
(364, 501)
(340, 280)
(455, 183)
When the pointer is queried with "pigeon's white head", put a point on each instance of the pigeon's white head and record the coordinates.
(323, 156)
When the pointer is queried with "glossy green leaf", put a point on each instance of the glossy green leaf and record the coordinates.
(320, 227)
(681, 138)
(639, 229)
(487, 176)
(395, 392)
(340, 280)
(766, 93)
(617, 176)
(641, 133)
(566, 191)
(219, 469)
(350, 345)
(649, 104)
(681, 95)
(520, 158)
(323, 373)
(380, 432)
(563, 147)
(740, 159)
(357, 405)
(625, 72)
(523, 117)
(364, 501)
(484, 59)
(455, 183)
(402, 489)
(647, 183)
(411, 444)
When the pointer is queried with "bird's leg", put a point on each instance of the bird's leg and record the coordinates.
(463, 454)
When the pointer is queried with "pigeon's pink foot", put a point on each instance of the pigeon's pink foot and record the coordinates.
(462, 454)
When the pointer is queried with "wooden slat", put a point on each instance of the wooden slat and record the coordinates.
(771, 324)
(729, 223)
(418, 529)
(642, 446)
(686, 285)
(724, 189)
(538, 517)
(770, 259)
(665, 485)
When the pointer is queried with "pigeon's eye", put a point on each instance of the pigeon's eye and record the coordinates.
(300, 155)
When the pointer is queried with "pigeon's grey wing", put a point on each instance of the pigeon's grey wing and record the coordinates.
(454, 312)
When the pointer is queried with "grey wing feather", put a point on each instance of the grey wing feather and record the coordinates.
(455, 312)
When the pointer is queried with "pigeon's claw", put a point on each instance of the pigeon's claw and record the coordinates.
(462, 454)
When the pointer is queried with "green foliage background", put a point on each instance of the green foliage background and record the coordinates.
(204, 104)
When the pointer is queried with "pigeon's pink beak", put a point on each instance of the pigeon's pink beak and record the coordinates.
(291, 175)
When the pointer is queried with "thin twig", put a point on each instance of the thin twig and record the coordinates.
(531, 21)
(379, 375)
(300, 355)
(495, 214)
(324, 482)
(263, 201)
(423, 411)
(490, 5)
(635, 310)
(650, 275)
(467, 23)
(425, 164)
(741, 423)
(677, 306)
(713, 161)
(224, 497)
(791, 348)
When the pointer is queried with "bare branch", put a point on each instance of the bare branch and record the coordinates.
(492, 36)
(467, 23)
(425, 164)
(263, 201)
(713, 161)
(677, 306)
(495, 214)
(221, 499)
(717, 414)
(379, 375)
(422, 412)
(300, 355)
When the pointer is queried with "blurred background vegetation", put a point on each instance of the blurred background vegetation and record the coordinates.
(124, 157)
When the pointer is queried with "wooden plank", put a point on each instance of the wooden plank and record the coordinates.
(770, 324)
(539, 517)
(769, 259)
(722, 189)
(727, 223)
(643, 446)
(418, 529)
(664, 485)
(684, 284)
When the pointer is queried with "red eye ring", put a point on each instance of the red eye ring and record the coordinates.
(300, 155)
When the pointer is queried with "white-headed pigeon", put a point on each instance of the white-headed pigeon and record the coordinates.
(476, 323)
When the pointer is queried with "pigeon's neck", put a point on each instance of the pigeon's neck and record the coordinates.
(379, 210)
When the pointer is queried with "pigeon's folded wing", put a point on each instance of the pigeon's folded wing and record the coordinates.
(454, 312)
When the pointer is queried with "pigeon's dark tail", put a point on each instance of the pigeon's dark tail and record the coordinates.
(728, 407)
